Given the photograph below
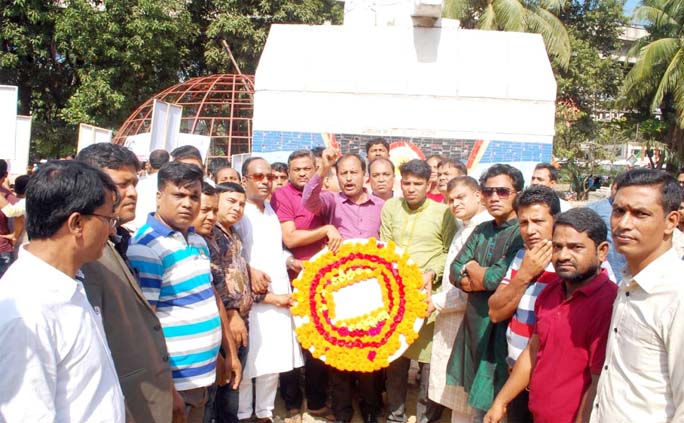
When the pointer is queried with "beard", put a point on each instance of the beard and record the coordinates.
(579, 277)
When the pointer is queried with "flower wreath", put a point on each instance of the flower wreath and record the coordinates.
(366, 342)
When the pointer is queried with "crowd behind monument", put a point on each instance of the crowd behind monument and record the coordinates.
(161, 293)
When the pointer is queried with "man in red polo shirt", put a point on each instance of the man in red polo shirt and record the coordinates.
(304, 234)
(564, 358)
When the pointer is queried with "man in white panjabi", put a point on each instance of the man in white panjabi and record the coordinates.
(273, 347)
(463, 199)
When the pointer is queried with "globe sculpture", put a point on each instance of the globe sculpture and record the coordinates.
(219, 106)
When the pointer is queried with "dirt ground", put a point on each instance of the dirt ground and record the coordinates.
(280, 413)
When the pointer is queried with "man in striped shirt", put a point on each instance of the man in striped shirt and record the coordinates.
(174, 268)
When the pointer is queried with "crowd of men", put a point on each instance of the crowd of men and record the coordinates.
(166, 297)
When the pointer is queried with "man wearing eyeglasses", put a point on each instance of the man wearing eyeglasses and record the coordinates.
(273, 347)
(478, 359)
(113, 290)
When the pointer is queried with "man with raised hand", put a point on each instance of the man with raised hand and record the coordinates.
(643, 378)
(424, 230)
(478, 359)
(304, 234)
(356, 214)
(564, 358)
(172, 262)
(55, 362)
(113, 289)
(465, 203)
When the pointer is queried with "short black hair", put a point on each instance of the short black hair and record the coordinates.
(208, 189)
(62, 187)
(377, 141)
(297, 154)
(670, 193)
(230, 187)
(317, 151)
(178, 173)
(504, 169)
(584, 220)
(187, 152)
(416, 167)
(216, 164)
(538, 194)
(3, 168)
(158, 158)
(680, 171)
(278, 167)
(553, 172)
(381, 159)
(245, 164)
(468, 181)
(457, 164)
(20, 184)
(350, 155)
(106, 155)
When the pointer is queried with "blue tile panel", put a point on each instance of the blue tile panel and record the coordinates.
(497, 151)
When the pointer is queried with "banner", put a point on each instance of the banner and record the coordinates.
(202, 142)
(166, 120)
(22, 143)
(89, 134)
(140, 145)
(8, 121)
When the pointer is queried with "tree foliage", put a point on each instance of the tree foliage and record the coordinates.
(516, 15)
(94, 61)
(656, 82)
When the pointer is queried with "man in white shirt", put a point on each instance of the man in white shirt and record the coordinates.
(465, 202)
(547, 175)
(54, 359)
(643, 377)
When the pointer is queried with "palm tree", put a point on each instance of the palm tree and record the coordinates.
(658, 73)
(516, 15)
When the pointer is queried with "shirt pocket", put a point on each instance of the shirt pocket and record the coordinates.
(640, 347)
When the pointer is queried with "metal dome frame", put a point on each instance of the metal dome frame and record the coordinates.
(219, 106)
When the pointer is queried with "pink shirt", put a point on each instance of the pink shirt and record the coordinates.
(351, 219)
(572, 346)
(287, 203)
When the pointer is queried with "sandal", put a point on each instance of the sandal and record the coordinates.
(293, 416)
(323, 413)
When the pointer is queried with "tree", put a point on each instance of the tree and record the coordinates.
(658, 74)
(516, 15)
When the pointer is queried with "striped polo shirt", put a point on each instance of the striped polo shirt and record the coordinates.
(175, 277)
(523, 320)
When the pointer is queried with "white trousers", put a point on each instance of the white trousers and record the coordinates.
(265, 389)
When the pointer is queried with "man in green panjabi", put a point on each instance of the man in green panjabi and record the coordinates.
(424, 229)
(478, 359)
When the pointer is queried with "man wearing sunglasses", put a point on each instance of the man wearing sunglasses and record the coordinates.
(478, 359)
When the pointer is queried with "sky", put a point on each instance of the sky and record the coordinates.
(630, 5)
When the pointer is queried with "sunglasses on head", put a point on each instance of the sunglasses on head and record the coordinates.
(501, 192)
(258, 177)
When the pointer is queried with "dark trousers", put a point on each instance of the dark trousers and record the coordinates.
(369, 392)
(222, 406)
(315, 384)
(518, 410)
(427, 411)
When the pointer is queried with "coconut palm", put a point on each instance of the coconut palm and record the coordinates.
(516, 15)
(658, 73)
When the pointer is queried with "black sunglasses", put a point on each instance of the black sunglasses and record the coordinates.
(501, 192)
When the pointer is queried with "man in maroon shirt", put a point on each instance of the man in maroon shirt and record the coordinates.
(564, 358)
(304, 234)
(5, 245)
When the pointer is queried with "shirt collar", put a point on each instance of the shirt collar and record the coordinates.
(655, 273)
(425, 205)
(372, 198)
(480, 217)
(56, 282)
(593, 286)
(161, 228)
